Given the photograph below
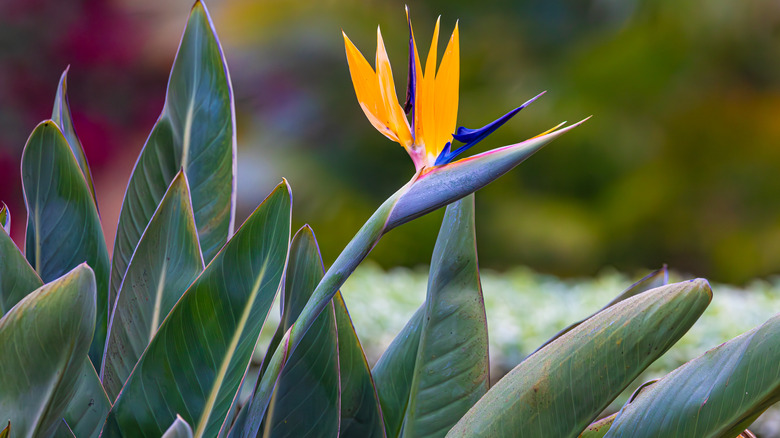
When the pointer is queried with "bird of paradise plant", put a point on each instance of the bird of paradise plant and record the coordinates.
(432, 101)
(158, 341)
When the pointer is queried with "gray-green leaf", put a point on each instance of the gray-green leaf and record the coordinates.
(89, 405)
(17, 277)
(558, 391)
(43, 342)
(179, 429)
(394, 371)
(306, 400)
(63, 226)
(195, 132)
(61, 116)
(361, 416)
(451, 371)
(197, 358)
(715, 395)
(164, 264)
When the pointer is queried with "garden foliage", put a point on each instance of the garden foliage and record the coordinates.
(158, 340)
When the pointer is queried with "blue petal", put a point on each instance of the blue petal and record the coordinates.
(444, 156)
(411, 84)
(473, 136)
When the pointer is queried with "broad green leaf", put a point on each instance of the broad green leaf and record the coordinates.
(196, 360)
(361, 416)
(5, 218)
(235, 422)
(63, 226)
(558, 391)
(89, 405)
(164, 264)
(63, 431)
(17, 277)
(451, 371)
(394, 371)
(195, 132)
(650, 281)
(354, 253)
(61, 116)
(179, 429)
(715, 395)
(43, 342)
(599, 428)
(306, 400)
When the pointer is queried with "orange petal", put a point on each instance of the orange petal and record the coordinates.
(446, 93)
(367, 88)
(396, 119)
(427, 100)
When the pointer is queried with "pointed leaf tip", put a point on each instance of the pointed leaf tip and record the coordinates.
(5, 218)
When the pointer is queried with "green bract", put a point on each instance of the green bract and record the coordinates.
(159, 341)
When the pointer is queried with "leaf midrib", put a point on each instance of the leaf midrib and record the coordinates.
(158, 301)
(217, 385)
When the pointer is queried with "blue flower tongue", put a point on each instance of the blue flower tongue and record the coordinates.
(473, 136)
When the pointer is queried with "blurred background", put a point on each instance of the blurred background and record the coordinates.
(680, 163)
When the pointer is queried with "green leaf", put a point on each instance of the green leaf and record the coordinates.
(195, 362)
(451, 371)
(5, 218)
(306, 401)
(179, 429)
(361, 416)
(63, 431)
(63, 226)
(355, 252)
(163, 266)
(599, 428)
(195, 132)
(652, 280)
(6, 431)
(61, 116)
(716, 395)
(88, 407)
(17, 277)
(394, 371)
(558, 391)
(44, 340)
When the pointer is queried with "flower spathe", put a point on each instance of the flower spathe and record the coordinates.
(431, 100)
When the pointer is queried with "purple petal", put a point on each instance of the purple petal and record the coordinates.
(473, 136)
(411, 82)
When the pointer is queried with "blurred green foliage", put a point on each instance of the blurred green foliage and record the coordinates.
(679, 164)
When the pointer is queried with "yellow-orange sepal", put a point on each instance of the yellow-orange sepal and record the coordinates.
(376, 93)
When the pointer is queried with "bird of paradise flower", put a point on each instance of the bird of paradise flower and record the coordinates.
(431, 101)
